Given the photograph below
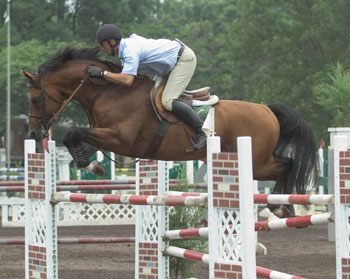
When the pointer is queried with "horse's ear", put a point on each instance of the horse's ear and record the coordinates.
(28, 75)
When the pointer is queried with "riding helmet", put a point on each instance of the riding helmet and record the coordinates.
(108, 31)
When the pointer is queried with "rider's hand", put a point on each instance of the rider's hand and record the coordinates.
(94, 71)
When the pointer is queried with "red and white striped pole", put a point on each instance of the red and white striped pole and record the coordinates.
(130, 199)
(186, 254)
(272, 274)
(204, 258)
(73, 240)
(273, 198)
(267, 225)
(294, 222)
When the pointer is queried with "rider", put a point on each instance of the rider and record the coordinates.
(160, 57)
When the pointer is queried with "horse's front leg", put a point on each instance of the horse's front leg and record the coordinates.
(74, 139)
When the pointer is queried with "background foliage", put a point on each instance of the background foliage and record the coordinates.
(294, 52)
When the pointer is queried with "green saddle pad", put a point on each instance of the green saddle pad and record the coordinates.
(202, 111)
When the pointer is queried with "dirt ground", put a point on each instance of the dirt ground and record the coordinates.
(302, 252)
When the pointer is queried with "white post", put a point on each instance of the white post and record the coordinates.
(8, 122)
(4, 214)
(213, 146)
(341, 207)
(63, 158)
(189, 172)
(99, 156)
(246, 207)
(212, 121)
(152, 178)
(112, 165)
(331, 169)
(138, 216)
(163, 221)
(29, 147)
(231, 210)
(321, 161)
(3, 165)
(200, 163)
(40, 219)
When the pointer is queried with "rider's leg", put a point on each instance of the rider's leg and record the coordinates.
(178, 80)
(190, 118)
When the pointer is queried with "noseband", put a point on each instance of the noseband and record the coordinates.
(44, 123)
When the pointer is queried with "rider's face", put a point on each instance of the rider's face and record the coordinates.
(106, 47)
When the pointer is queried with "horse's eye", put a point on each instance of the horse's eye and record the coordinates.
(35, 100)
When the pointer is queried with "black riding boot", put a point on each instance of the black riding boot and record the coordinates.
(190, 118)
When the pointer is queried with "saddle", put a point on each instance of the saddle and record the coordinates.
(202, 94)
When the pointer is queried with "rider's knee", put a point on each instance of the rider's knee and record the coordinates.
(167, 104)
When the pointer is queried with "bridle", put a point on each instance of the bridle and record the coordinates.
(44, 121)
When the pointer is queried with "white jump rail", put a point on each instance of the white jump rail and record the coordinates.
(272, 198)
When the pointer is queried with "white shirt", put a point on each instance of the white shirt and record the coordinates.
(148, 56)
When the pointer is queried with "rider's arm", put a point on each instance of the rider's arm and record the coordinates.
(131, 60)
(126, 77)
(121, 78)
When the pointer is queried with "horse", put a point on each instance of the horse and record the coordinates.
(122, 120)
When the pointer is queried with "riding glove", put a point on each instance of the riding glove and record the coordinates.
(94, 71)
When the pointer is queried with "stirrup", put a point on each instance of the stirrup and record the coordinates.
(196, 146)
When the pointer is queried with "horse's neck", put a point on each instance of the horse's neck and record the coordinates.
(128, 102)
(96, 94)
(94, 87)
(137, 93)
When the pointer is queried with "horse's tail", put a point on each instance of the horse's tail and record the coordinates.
(297, 143)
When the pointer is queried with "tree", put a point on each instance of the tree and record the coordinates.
(86, 16)
(25, 56)
(334, 96)
(279, 50)
(37, 19)
(262, 51)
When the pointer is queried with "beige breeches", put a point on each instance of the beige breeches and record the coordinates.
(179, 77)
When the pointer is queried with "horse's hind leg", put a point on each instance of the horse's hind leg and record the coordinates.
(282, 211)
(277, 169)
(281, 187)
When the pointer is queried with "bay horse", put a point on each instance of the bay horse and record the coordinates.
(122, 120)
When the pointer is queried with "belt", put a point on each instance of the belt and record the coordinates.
(181, 50)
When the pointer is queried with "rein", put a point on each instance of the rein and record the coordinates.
(54, 117)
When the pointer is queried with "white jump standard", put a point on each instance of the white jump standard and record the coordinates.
(230, 214)
(40, 222)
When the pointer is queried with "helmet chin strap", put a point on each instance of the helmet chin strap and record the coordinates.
(112, 47)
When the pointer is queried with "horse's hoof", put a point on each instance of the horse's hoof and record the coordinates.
(267, 214)
(96, 168)
(283, 212)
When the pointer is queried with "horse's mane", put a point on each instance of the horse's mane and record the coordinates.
(70, 53)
